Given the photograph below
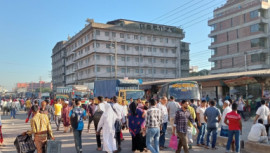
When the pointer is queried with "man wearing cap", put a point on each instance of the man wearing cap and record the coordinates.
(224, 127)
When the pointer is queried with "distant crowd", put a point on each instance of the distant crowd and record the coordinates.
(147, 122)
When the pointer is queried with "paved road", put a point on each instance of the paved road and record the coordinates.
(13, 127)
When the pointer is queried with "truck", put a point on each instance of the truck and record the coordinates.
(180, 90)
(74, 91)
(124, 89)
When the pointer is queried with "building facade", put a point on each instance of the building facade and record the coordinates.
(58, 65)
(240, 36)
(125, 48)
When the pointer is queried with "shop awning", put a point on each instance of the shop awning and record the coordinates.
(240, 81)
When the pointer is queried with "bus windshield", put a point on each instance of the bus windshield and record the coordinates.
(135, 94)
(183, 91)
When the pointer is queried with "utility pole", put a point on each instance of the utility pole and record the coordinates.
(115, 66)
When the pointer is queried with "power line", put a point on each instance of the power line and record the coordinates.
(166, 14)
(193, 13)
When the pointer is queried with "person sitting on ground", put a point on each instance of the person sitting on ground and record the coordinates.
(258, 133)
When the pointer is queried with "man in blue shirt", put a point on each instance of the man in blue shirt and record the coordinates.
(81, 113)
(212, 116)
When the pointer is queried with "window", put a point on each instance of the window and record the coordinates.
(136, 59)
(141, 48)
(254, 14)
(154, 71)
(128, 47)
(108, 58)
(166, 50)
(213, 27)
(174, 61)
(244, 16)
(113, 69)
(87, 49)
(167, 60)
(237, 33)
(136, 37)
(98, 69)
(149, 49)
(136, 70)
(161, 50)
(154, 60)
(173, 51)
(257, 42)
(107, 33)
(123, 59)
(141, 70)
(154, 39)
(154, 50)
(137, 48)
(161, 39)
(162, 71)
(113, 34)
(141, 59)
(128, 59)
(97, 45)
(108, 69)
(162, 60)
(167, 40)
(123, 47)
(128, 70)
(128, 36)
(97, 57)
(149, 60)
(149, 38)
(123, 70)
(97, 32)
(256, 28)
(122, 35)
(149, 71)
(141, 37)
(108, 45)
(258, 57)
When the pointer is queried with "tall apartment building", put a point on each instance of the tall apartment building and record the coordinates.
(125, 48)
(240, 36)
(58, 65)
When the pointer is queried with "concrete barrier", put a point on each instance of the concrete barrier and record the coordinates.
(254, 147)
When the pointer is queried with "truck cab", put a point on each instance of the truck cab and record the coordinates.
(127, 94)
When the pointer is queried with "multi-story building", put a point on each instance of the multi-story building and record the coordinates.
(125, 48)
(240, 36)
(58, 65)
(31, 87)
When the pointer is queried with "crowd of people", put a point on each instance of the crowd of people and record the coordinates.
(147, 122)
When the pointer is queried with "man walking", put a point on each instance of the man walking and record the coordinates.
(77, 115)
(57, 113)
(235, 127)
(212, 116)
(98, 113)
(41, 128)
(172, 108)
(153, 122)
(263, 113)
(163, 108)
(201, 123)
(90, 111)
(181, 125)
(119, 114)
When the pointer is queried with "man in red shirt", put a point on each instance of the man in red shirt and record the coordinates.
(233, 120)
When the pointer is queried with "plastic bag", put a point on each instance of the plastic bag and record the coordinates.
(173, 142)
(194, 131)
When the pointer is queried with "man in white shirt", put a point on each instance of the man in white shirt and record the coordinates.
(258, 133)
(162, 106)
(263, 113)
(224, 127)
(201, 123)
(119, 113)
(172, 108)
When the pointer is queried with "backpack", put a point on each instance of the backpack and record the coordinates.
(74, 119)
(97, 115)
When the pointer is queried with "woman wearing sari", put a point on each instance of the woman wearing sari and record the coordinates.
(65, 116)
(135, 122)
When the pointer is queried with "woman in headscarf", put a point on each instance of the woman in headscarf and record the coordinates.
(107, 122)
(65, 116)
(135, 123)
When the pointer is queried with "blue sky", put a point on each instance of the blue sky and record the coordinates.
(29, 29)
